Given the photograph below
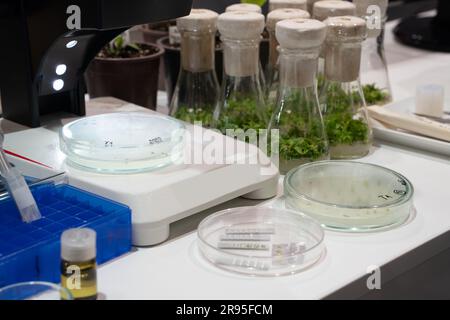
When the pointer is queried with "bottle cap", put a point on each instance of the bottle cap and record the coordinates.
(310, 5)
(78, 245)
(244, 7)
(283, 14)
(333, 8)
(199, 20)
(241, 25)
(346, 28)
(300, 33)
(374, 12)
(282, 4)
(342, 62)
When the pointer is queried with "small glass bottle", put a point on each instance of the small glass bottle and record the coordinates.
(242, 101)
(273, 18)
(323, 10)
(197, 91)
(374, 70)
(297, 117)
(285, 4)
(342, 99)
(78, 263)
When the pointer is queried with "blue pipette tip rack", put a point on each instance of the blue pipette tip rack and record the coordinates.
(31, 252)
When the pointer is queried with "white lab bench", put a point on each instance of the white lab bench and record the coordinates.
(177, 270)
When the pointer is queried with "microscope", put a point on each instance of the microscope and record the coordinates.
(48, 44)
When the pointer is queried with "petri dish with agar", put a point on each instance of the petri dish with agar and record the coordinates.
(261, 241)
(129, 142)
(350, 196)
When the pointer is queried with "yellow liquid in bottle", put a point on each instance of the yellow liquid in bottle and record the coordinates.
(80, 278)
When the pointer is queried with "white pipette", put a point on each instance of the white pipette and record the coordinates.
(18, 188)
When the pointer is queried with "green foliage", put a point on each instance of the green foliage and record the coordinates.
(302, 147)
(373, 95)
(118, 48)
(301, 133)
(343, 129)
(341, 125)
(203, 115)
(241, 114)
(258, 2)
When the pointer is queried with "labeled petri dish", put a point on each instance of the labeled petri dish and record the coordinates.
(350, 196)
(129, 142)
(261, 241)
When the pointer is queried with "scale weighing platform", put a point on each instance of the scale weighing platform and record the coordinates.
(164, 194)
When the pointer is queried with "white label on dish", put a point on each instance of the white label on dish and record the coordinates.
(243, 246)
(245, 237)
(251, 231)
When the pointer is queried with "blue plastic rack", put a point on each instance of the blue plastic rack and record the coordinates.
(31, 252)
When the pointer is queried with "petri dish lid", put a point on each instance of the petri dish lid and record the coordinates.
(261, 241)
(350, 196)
(126, 142)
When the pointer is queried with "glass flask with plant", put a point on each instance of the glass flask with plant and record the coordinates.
(197, 91)
(241, 103)
(342, 99)
(272, 69)
(302, 135)
(374, 71)
(321, 10)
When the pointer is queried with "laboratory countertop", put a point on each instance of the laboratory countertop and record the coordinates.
(177, 270)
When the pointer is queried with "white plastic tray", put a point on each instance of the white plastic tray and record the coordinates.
(407, 138)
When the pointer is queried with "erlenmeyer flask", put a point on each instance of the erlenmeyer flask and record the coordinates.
(197, 91)
(297, 117)
(342, 99)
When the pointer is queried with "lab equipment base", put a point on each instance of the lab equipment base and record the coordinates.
(160, 197)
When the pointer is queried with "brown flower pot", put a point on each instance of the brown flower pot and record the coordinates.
(154, 31)
(131, 79)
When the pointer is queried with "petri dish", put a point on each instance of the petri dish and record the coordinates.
(350, 196)
(261, 241)
(128, 142)
(35, 291)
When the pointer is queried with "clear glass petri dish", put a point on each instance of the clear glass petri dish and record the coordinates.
(261, 241)
(350, 196)
(35, 291)
(129, 142)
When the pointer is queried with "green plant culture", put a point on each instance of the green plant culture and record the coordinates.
(241, 114)
(257, 2)
(343, 127)
(119, 48)
(374, 95)
(203, 115)
(302, 136)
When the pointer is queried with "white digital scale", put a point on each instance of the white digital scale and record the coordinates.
(158, 197)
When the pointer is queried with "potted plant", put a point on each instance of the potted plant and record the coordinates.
(128, 71)
(154, 31)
